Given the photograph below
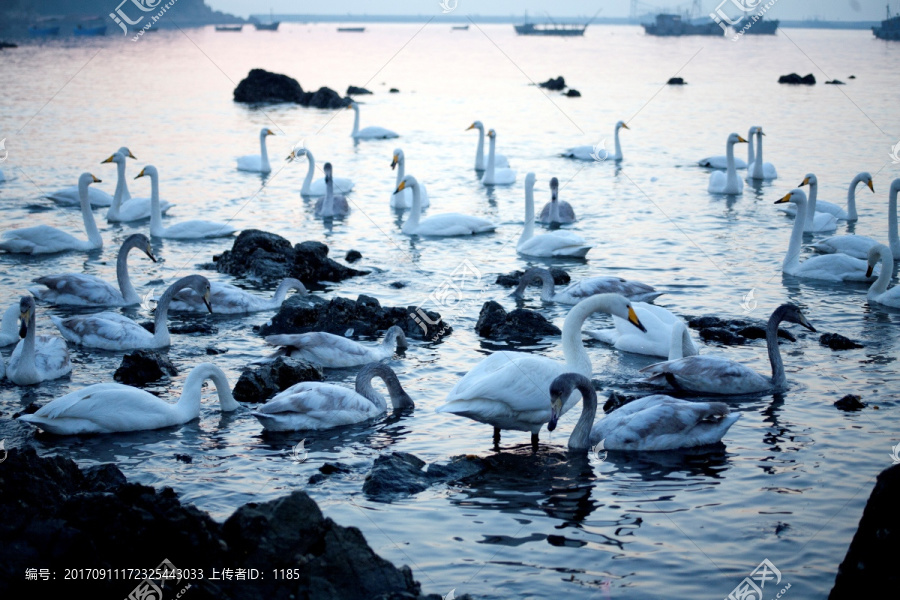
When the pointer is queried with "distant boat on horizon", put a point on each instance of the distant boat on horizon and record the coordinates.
(550, 29)
(44, 26)
(92, 26)
(890, 27)
(229, 27)
(460, 27)
(352, 29)
(672, 25)
(272, 25)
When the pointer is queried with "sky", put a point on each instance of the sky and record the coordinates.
(837, 10)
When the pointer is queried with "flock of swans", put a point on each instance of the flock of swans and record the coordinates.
(507, 390)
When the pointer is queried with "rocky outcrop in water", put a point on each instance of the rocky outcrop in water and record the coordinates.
(352, 90)
(560, 277)
(733, 332)
(676, 81)
(519, 325)
(795, 79)
(850, 403)
(836, 341)
(557, 85)
(401, 474)
(143, 366)
(262, 87)
(263, 382)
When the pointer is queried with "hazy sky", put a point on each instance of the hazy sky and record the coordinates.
(853, 10)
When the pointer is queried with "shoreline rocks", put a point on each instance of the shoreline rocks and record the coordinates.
(520, 325)
(795, 79)
(560, 277)
(144, 366)
(263, 87)
(263, 382)
(556, 85)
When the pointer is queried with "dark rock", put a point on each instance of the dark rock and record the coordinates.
(325, 98)
(557, 85)
(560, 277)
(836, 341)
(796, 79)
(353, 256)
(521, 324)
(394, 91)
(835, 82)
(316, 478)
(193, 326)
(732, 332)
(852, 77)
(616, 400)
(261, 86)
(721, 335)
(397, 285)
(213, 351)
(870, 566)
(850, 403)
(458, 468)
(357, 91)
(395, 474)
(331, 468)
(185, 458)
(311, 264)
(571, 93)
(705, 322)
(676, 81)
(265, 381)
(143, 366)
(104, 478)
(7, 45)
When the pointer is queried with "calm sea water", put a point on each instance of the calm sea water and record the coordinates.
(791, 479)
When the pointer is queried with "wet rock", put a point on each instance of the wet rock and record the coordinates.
(732, 332)
(570, 93)
(262, 87)
(185, 458)
(836, 341)
(616, 400)
(193, 327)
(331, 468)
(850, 403)
(353, 256)
(560, 277)
(213, 351)
(721, 335)
(870, 566)
(394, 91)
(325, 98)
(793, 78)
(758, 332)
(394, 475)
(521, 324)
(705, 322)
(458, 468)
(835, 82)
(557, 85)
(397, 285)
(676, 81)
(357, 91)
(104, 478)
(7, 45)
(143, 366)
(311, 264)
(265, 381)
(852, 77)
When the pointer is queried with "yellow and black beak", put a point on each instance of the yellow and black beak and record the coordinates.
(784, 200)
(206, 300)
(130, 155)
(556, 405)
(633, 319)
(269, 132)
(149, 252)
(624, 126)
(472, 126)
(806, 323)
(869, 270)
(804, 182)
(96, 180)
(24, 318)
(141, 174)
(108, 160)
(395, 162)
(401, 187)
(871, 185)
(742, 140)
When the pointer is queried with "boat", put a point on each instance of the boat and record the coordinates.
(352, 29)
(460, 27)
(550, 29)
(44, 26)
(91, 26)
(671, 25)
(229, 27)
(272, 25)
(763, 27)
(890, 27)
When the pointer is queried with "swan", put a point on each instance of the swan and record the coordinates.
(114, 407)
(9, 327)
(257, 163)
(721, 161)
(36, 358)
(446, 224)
(576, 292)
(317, 187)
(186, 230)
(334, 351)
(593, 153)
(316, 405)
(727, 182)
(404, 198)
(553, 243)
(226, 299)
(508, 389)
(704, 374)
(656, 340)
(758, 168)
(43, 239)
(125, 208)
(89, 290)
(879, 291)
(556, 211)
(71, 196)
(368, 133)
(857, 246)
(331, 205)
(112, 331)
(827, 267)
(816, 221)
(494, 174)
(650, 423)
(499, 159)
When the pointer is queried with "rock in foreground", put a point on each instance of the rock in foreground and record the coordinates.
(520, 325)
(143, 366)
(260, 384)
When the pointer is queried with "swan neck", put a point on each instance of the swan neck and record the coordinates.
(189, 403)
(751, 141)
(577, 358)
(811, 204)
(401, 171)
(731, 171)
(416, 210)
(121, 188)
(283, 288)
(28, 342)
(778, 378)
(160, 320)
(618, 145)
(263, 151)
(479, 152)
(548, 285)
(156, 227)
(851, 199)
(580, 439)
(490, 162)
(528, 231)
(893, 237)
(792, 258)
(328, 202)
(355, 120)
(307, 181)
(90, 226)
(125, 287)
(880, 285)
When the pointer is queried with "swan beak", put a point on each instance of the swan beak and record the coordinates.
(633, 319)
(401, 187)
(130, 155)
(871, 185)
(555, 410)
(805, 181)
(741, 140)
(108, 160)
(806, 323)
(23, 323)
(141, 174)
(96, 180)
(206, 301)
(472, 126)
(394, 162)
(624, 126)
(149, 252)
(783, 200)
(269, 132)
(869, 270)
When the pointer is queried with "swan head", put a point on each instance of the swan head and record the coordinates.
(141, 241)
(797, 196)
(622, 125)
(554, 188)
(476, 125)
(354, 106)
(895, 186)
(327, 168)
(560, 389)
(148, 171)
(736, 139)
(117, 157)
(398, 158)
(492, 134)
(792, 314)
(296, 153)
(87, 179)
(866, 178)
(124, 151)
(265, 131)
(199, 284)
(408, 182)
(395, 335)
(880, 252)
(811, 180)
(26, 313)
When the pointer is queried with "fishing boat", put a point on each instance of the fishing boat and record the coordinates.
(550, 29)
(460, 27)
(352, 29)
(272, 25)
(671, 25)
(890, 27)
(44, 26)
(229, 27)
(91, 26)
(762, 27)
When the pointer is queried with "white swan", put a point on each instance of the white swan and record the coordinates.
(650, 423)
(556, 211)
(368, 133)
(594, 153)
(499, 159)
(661, 327)
(36, 358)
(334, 351)
(827, 267)
(9, 327)
(553, 243)
(857, 246)
(315, 405)
(879, 291)
(257, 163)
(43, 239)
(508, 390)
(727, 182)
(317, 187)
(816, 221)
(331, 205)
(758, 168)
(226, 299)
(186, 230)
(495, 174)
(404, 198)
(704, 374)
(444, 225)
(112, 331)
(89, 290)
(114, 407)
(721, 161)
(125, 208)
(70, 196)
(578, 291)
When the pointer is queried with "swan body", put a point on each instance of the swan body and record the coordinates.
(70, 196)
(186, 230)
(727, 182)
(443, 225)
(650, 423)
(42, 239)
(495, 174)
(858, 246)
(827, 267)
(125, 208)
(36, 358)
(554, 243)
(334, 351)
(331, 205)
(112, 331)
(661, 325)
(499, 159)
(227, 299)
(368, 133)
(9, 326)
(704, 374)
(508, 389)
(317, 187)
(114, 407)
(404, 198)
(879, 291)
(758, 169)
(556, 211)
(721, 161)
(592, 153)
(257, 163)
(578, 291)
(816, 220)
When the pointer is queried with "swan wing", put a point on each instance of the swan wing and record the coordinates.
(832, 209)
(342, 185)
(326, 349)
(721, 162)
(41, 239)
(834, 267)
(51, 356)
(107, 330)
(857, 246)
(77, 289)
(315, 405)
(633, 290)
(137, 209)
(188, 230)
(579, 153)
(707, 375)
(453, 224)
(69, 197)
(374, 132)
(555, 243)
